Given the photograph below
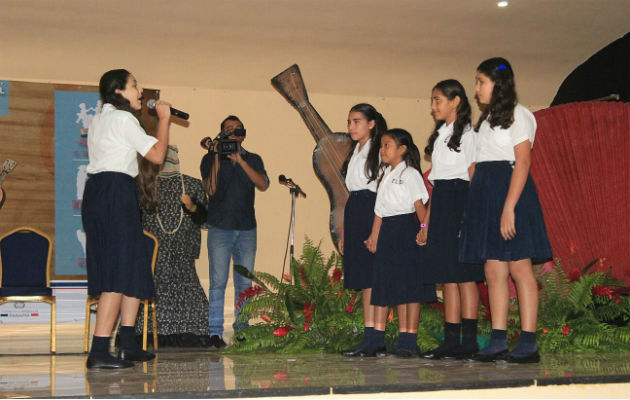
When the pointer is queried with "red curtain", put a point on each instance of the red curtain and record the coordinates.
(580, 164)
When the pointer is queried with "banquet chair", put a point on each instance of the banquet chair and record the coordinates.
(25, 256)
(149, 304)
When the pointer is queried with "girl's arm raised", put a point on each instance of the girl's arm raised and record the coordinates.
(523, 155)
(371, 241)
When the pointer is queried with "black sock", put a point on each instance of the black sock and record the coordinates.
(408, 341)
(469, 335)
(378, 340)
(368, 332)
(128, 338)
(100, 349)
(498, 342)
(451, 334)
(526, 344)
(100, 345)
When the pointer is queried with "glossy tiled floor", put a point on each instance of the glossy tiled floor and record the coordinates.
(202, 373)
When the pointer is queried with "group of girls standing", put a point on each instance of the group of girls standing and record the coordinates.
(483, 221)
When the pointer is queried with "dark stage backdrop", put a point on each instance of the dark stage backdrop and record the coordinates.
(581, 166)
(42, 128)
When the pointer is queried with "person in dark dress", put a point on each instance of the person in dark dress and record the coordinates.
(181, 304)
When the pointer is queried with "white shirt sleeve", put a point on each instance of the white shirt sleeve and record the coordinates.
(469, 146)
(524, 126)
(136, 136)
(416, 187)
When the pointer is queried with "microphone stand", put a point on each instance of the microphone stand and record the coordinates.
(295, 191)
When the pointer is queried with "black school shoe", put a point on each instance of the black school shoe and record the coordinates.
(135, 355)
(526, 359)
(217, 341)
(106, 362)
(405, 353)
(380, 352)
(441, 352)
(498, 356)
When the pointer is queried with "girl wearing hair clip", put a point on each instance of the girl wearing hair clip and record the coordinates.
(503, 221)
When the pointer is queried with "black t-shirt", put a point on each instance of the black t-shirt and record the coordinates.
(232, 206)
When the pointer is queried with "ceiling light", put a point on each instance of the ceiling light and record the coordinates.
(503, 4)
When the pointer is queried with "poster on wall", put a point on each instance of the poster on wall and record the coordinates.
(73, 113)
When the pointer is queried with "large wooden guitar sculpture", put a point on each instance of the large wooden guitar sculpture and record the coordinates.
(331, 150)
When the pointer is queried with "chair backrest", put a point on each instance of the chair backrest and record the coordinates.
(152, 245)
(25, 255)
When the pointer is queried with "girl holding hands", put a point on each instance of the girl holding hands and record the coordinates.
(401, 197)
(503, 221)
(452, 151)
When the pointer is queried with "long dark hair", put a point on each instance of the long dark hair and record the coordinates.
(111, 81)
(380, 125)
(451, 88)
(500, 111)
(412, 155)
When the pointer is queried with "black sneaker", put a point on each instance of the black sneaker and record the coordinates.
(217, 341)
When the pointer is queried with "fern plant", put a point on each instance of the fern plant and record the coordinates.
(586, 315)
(313, 312)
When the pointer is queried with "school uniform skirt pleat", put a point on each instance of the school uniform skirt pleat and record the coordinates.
(118, 259)
(357, 224)
(447, 210)
(397, 277)
(481, 238)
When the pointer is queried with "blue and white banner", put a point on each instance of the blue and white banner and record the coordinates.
(4, 98)
(73, 113)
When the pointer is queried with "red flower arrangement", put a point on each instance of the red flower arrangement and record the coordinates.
(574, 274)
(248, 293)
(350, 306)
(282, 331)
(336, 275)
(308, 311)
(613, 292)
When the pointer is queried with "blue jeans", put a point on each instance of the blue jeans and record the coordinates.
(223, 245)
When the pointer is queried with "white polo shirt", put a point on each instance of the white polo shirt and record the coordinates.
(450, 164)
(356, 179)
(400, 188)
(497, 144)
(114, 138)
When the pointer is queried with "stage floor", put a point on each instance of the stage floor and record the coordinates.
(202, 373)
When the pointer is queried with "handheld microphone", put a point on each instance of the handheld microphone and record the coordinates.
(288, 182)
(174, 111)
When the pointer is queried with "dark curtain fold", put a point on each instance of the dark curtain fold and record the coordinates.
(581, 167)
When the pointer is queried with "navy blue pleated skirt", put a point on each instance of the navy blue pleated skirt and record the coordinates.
(481, 236)
(397, 275)
(442, 265)
(357, 224)
(118, 259)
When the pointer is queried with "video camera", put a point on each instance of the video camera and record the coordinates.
(224, 145)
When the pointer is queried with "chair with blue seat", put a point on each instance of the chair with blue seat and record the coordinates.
(25, 256)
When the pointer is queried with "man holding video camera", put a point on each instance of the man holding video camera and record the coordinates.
(231, 175)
